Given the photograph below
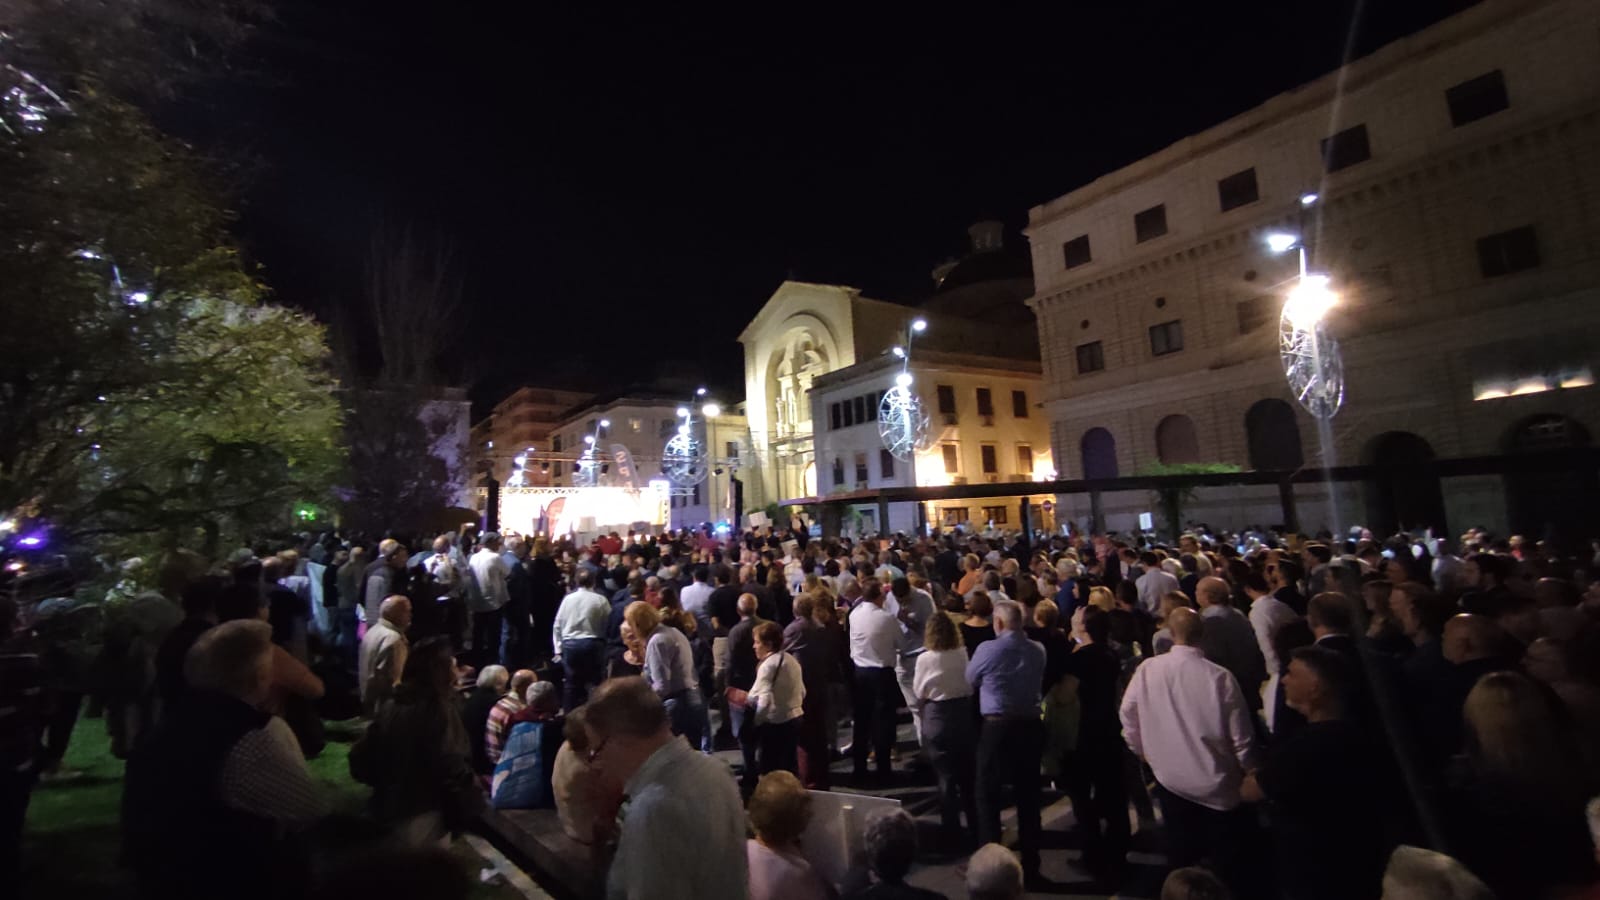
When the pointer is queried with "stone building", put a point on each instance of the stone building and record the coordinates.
(806, 331)
(1457, 183)
(520, 422)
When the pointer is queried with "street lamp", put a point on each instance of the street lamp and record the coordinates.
(902, 421)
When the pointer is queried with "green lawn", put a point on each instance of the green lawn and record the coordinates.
(71, 842)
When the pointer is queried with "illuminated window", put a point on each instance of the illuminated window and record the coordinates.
(995, 514)
(635, 425)
(952, 515)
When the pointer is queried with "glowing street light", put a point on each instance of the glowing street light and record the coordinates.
(899, 352)
(919, 325)
(683, 412)
(711, 410)
(1309, 302)
(1308, 199)
(1280, 242)
(903, 379)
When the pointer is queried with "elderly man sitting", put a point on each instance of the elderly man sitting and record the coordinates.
(216, 794)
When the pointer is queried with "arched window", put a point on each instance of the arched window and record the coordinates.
(1099, 454)
(1176, 442)
(1272, 438)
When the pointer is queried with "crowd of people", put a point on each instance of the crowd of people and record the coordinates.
(1312, 717)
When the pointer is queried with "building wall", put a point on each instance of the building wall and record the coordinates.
(521, 421)
(1424, 327)
(965, 430)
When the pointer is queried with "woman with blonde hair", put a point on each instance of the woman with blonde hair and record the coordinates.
(668, 666)
(969, 579)
(1101, 597)
(1518, 809)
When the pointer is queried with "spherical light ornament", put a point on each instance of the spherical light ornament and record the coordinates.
(903, 422)
(1311, 364)
(587, 472)
(683, 460)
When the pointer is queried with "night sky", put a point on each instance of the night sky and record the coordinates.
(623, 190)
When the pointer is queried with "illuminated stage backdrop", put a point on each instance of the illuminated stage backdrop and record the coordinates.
(582, 510)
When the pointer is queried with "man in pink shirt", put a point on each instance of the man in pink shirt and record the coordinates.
(1187, 718)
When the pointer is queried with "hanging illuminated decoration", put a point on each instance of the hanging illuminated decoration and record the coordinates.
(902, 419)
(683, 459)
(1309, 355)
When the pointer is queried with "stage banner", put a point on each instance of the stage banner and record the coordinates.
(627, 473)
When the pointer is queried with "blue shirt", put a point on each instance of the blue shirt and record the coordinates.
(1006, 672)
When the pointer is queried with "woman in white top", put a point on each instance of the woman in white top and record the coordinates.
(949, 725)
(776, 698)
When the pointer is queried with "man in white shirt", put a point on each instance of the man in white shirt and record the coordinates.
(1267, 615)
(1188, 719)
(579, 638)
(682, 836)
(488, 599)
(1154, 583)
(696, 600)
(912, 608)
(874, 643)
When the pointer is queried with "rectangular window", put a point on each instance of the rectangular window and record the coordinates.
(1091, 357)
(991, 465)
(1166, 337)
(872, 407)
(1238, 190)
(985, 402)
(695, 501)
(635, 425)
(849, 413)
(838, 471)
(1150, 224)
(1019, 404)
(953, 515)
(1024, 459)
(1478, 98)
(555, 443)
(861, 468)
(733, 449)
(885, 463)
(1508, 251)
(861, 409)
(555, 469)
(947, 400)
(1253, 314)
(835, 417)
(1076, 251)
(995, 514)
(1345, 149)
(952, 459)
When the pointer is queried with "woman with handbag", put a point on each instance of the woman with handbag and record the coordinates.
(775, 702)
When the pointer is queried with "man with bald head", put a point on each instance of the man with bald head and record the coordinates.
(1228, 639)
(383, 651)
(1187, 717)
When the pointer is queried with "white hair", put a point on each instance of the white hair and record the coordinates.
(496, 677)
(994, 873)
(540, 691)
(1009, 613)
(1417, 874)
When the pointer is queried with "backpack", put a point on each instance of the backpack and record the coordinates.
(521, 779)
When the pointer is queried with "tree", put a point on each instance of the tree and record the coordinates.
(146, 393)
(400, 477)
